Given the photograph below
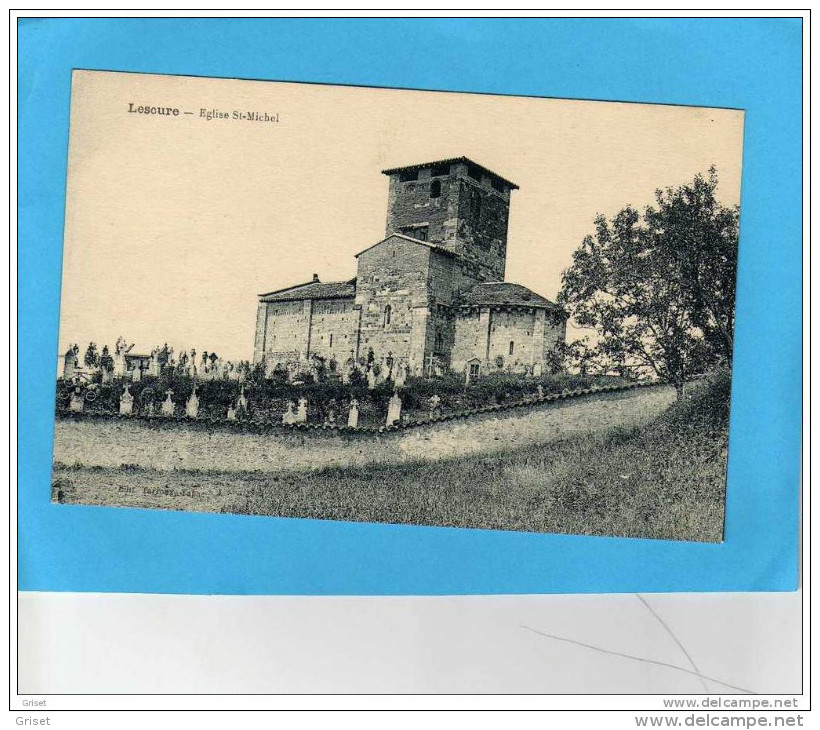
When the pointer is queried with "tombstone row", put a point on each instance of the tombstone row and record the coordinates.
(290, 416)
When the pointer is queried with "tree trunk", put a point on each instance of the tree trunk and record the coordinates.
(679, 389)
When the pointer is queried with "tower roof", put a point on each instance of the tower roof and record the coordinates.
(447, 161)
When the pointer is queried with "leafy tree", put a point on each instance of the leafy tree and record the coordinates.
(659, 288)
(92, 356)
(701, 237)
(582, 355)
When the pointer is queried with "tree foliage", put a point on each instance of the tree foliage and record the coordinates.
(659, 287)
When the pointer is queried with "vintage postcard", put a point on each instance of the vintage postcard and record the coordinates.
(395, 306)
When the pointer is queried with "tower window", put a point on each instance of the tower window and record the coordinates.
(512, 347)
(388, 312)
(331, 341)
(439, 343)
(474, 172)
(408, 175)
(498, 185)
(438, 170)
(417, 232)
(435, 189)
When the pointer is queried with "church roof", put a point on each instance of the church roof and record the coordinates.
(312, 290)
(428, 244)
(448, 161)
(502, 293)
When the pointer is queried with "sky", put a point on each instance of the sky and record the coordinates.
(174, 223)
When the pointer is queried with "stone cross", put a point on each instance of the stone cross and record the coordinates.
(394, 409)
(353, 414)
(126, 402)
(168, 404)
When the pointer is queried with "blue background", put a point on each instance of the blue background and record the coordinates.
(749, 64)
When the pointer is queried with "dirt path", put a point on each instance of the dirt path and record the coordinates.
(117, 443)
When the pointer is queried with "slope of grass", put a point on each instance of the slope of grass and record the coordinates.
(662, 480)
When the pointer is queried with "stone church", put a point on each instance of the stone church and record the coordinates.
(429, 297)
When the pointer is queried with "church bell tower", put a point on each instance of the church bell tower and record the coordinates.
(456, 204)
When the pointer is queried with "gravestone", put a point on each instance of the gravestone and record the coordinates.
(371, 379)
(536, 370)
(242, 401)
(540, 390)
(71, 362)
(168, 404)
(136, 374)
(353, 414)
(401, 375)
(394, 409)
(77, 401)
(289, 417)
(153, 365)
(121, 349)
(231, 413)
(126, 402)
(301, 412)
(192, 405)
(434, 402)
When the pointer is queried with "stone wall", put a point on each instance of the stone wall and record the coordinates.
(334, 329)
(470, 217)
(285, 331)
(486, 335)
(394, 273)
(289, 331)
(410, 207)
(470, 339)
(481, 238)
(513, 327)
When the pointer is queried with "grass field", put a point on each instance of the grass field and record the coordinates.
(664, 479)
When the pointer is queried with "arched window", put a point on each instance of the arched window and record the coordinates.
(439, 343)
(512, 347)
(435, 189)
(388, 312)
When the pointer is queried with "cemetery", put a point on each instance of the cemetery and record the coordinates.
(615, 453)
(368, 399)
